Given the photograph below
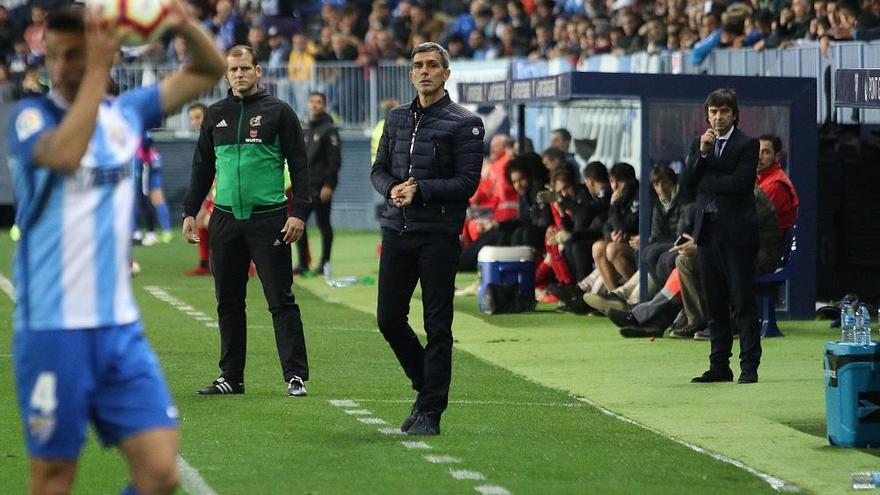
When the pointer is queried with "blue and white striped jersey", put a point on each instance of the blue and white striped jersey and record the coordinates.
(71, 265)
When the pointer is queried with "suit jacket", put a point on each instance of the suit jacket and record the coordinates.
(729, 180)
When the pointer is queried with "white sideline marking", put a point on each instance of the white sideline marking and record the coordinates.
(191, 481)
(442, 459)
(492, 490)
(482, 403)
(464, 474)
(7, 287)
(416, 445)
(777, 484)
(358, 412)
(391, 431)
(373, 421)
(162, 295)
(344, 403)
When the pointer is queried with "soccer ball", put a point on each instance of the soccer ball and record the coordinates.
(138, 21)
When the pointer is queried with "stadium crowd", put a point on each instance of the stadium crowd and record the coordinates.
(296, 34)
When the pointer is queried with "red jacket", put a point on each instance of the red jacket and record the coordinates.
(778, 187)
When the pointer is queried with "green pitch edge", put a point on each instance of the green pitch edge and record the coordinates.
(776, 426)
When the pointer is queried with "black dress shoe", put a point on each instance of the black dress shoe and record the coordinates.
(748, 377)
(426, 423)
(637, 332)
(408, 422)
(686, 332)
(712, 376)
(622, 318)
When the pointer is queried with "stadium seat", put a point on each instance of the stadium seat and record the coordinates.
(767, 285)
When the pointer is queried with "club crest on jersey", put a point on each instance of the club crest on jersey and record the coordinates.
(28, 123)
(256, 121)
(41, 426)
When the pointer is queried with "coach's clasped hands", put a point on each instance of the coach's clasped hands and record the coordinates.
(402, 194)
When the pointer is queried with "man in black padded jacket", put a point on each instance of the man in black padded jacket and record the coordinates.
(427, 166)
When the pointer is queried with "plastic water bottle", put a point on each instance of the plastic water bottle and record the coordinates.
(863, 325)
(865, 480)
(847, 323)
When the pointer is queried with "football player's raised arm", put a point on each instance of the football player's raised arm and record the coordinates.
(205, 66)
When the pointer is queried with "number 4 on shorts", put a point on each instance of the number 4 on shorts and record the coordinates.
(43, 396)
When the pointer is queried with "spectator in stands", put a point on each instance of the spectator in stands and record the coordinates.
(20, 59)
(35, 32)
(481, 48)
(630, 41)
(300, 64)
(257, 40)
(382, 48)
(8, 34)
(721, 169)
(710, 37)
(457, 48)
(279, 50)
(384, 107)
(613, 255)
(511, 46)
(226, 25)
(342, 48)
(178, 52)
(544, 43)
(465, 23)
(31, 84)
(7, 86)
(431, 27)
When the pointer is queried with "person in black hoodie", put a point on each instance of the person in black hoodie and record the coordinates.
(613, 255)
(325, 157)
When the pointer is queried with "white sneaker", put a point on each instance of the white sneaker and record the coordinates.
(470, 290)
(296, 387)
(150, 239)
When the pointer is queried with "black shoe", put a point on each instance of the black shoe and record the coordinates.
(296, 387)
(622, 318)
(748, 377)
(701, 334)
(426, 423)
(640, 332)
(222, 387)
(408, 422)
(712, 376)
(571, 299)
(687, 332)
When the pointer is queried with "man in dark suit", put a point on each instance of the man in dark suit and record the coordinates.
(721, 172)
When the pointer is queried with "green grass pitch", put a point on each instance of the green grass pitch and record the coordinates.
(515, 418)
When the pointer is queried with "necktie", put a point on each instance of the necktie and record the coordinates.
(719, 145)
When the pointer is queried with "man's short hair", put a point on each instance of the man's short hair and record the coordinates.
(597, 171)
(198, 106)
(663, 172)
(774, 140)
(622, 171)
(68, 19)
(562, 174)
(554, 154)
(563, 132)
(240, 50)
(430, 46)
(320, 94)
(722, 97)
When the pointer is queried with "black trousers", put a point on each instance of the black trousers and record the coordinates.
(728, 273)
(322, 217)
(430, 259)
(233, 244)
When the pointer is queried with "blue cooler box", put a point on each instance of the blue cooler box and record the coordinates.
(511, 269)
(852, 394)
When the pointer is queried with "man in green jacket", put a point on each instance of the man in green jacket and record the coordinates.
(244, 142)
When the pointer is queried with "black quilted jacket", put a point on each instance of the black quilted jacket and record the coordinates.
(442, 148)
